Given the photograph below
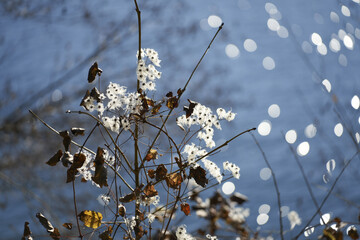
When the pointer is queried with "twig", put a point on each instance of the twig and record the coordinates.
(275, 184)
(328, 194)
(305, 179)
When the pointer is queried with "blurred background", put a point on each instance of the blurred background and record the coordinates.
(289, 68)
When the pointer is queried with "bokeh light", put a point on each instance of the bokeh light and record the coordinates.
(262, 219)
(355, 102)
(327, 85)
(273, 24)
(232, 51)
(264, 208)
(264, 128)
(338, 129)
(283, 32)
(250, 45)
(56, 95)
(310, 131)
(306, 47)
(274, 111)
(330, 165)
(348, 42)
(322, 49)
(342, 60)
(265, 174)
(214, 21)
(334, 17)
(228, 188)
(270, 8)
(334, 45)
(325, 218)
(268, 63)
(316, 39)
(345, 11)
(303, 149)
(291, 136)
(284, 211)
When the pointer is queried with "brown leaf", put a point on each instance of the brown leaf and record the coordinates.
(139, 232)
(78, 131)
(93, 71)
(185, 207)
(79, 160)
(151, 173)
(353, 234)
(100, 176)
(55, 159)
(67, 159)
(332, 234)
(152, 154)
(169, 94)
(199, 175)
(190, 109)
(238, 198)
(179, 91)
(86, 101)
(172, 102)
(155, 109)
(128, 198)
(67, 226)
(150, 190)
(66, 140)
(95, 94)
(27, 232)
(91, 219)
(106, 235)
(55, 234)
(161, 172)
(122, 211)
(46, 223)
(174, 180)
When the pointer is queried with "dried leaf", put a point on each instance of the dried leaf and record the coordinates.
(91, 219)
(95, 94)
(161, 172)
(174, 180)
(27, 232)
(93, 71)
(353, 234)
(46, 223)
(332, 234)
(190, 109)
(122, 211)
(106, 235)
(79, 160)
(55, 234)
(150, 190)
(67, 159)
(172, 102)
(179, 91)
(66, 140)
(185, 207)
(151, 173)
(78, 131)
(155, 109)
(152, 154)
(86, 101)
(169, 94)
(55, 159)
(128, 198)
(199, 175)
(67, 226)
(100, 176)
(238, 198)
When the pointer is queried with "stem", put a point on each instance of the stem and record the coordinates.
(275, 184)
(76, 212)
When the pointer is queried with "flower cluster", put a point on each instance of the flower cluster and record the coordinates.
(182, 234)
(294, 219)
(204, 117)
(148, 72)
(235, 170)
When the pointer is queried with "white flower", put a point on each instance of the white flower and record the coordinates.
(235, 170)
(151, 217)
(294, 219)
(181, 233)
(208, 236)
(213, 169)
(103, 199)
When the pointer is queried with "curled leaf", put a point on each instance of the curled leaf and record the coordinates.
(55, 159)
(172, 102)
(27, 232)
(174, 180)
(152, 154)
(67, 226)
(46, 223)
(91, 219)
(185, 207)
(93, 71)
(95, 94)
(161, 172)
(78, 131)
(155, 109)
(55, 234)
(79, 160)
(106, 235)
(199, 175)
(100, 176)
(128, 198)
(66, 140)
(151, 173)
(150, 190)
(353, 234)
(122, 210)
(190, 109)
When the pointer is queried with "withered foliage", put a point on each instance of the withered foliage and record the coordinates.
(79, 159)
(100, 176)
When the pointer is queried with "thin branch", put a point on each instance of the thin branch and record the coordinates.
(327, 195)
(275, 184)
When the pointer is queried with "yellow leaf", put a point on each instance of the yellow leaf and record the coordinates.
(91, 219)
